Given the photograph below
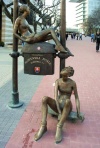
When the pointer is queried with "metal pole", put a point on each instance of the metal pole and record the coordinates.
(0, 22)
(15, 94)
(63, 30)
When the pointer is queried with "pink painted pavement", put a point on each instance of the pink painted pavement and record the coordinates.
(86, 62)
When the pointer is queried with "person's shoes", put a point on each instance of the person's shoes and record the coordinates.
(40, 132)
(58, 137)
(96, 50)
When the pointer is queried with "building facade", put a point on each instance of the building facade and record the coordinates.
(6, 26)
(7, 29)
(84, 9)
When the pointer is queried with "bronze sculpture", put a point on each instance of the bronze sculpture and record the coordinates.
(61, 103)
(22, 26)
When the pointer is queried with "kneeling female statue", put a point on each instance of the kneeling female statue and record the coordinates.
(61, 103)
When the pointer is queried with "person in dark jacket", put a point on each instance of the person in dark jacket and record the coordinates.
(97, 41)
(66, 36)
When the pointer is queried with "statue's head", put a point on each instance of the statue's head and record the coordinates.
(24, 8)
(69, 71)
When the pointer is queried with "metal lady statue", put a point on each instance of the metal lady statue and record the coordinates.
(61, 103)
(22, 26)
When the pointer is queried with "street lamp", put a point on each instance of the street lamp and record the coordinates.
(63, 30)
(14, 103)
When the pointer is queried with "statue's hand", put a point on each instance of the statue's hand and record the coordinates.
(24, 37)
(59, 117)
(80, 116)
(27, 40)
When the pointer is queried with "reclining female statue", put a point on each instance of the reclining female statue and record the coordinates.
(61, 103)
(22, 26)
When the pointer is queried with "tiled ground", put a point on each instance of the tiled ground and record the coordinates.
(9, 117)
(86, 63)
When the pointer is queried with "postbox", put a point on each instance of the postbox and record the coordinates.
(39, 58)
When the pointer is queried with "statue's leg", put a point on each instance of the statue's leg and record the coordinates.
(66, 110)
(43, 127)
(59, 46)
(44, 36)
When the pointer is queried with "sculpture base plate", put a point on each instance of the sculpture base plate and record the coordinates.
(72, 116)
(12, 105)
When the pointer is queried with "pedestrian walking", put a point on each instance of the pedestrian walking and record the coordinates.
(74, 35)
(80, 36)
(66, 36)
(77, 35)
(97, 41)
(92, 37)
(71, 35)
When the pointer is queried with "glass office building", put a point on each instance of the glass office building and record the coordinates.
(84, 8)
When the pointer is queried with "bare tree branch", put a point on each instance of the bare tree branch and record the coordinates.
(48, 16)
(93, 22)
(6, 11)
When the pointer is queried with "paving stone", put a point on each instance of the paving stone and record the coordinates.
(9, 117)
(2, 144)
(79, 135)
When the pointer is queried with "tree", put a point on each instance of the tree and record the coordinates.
(92, 23)
(47, 16)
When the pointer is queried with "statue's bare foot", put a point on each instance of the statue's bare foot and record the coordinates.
(60, 48)
(40, 132)
(70, 54)
(58, 137)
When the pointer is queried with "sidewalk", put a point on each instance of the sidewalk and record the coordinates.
(85, 135)
(9, 118)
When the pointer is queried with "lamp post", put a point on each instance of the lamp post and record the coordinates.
(63, 30)
(14, 103)
(0, 22)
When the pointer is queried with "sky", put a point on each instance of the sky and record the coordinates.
(70, 13)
